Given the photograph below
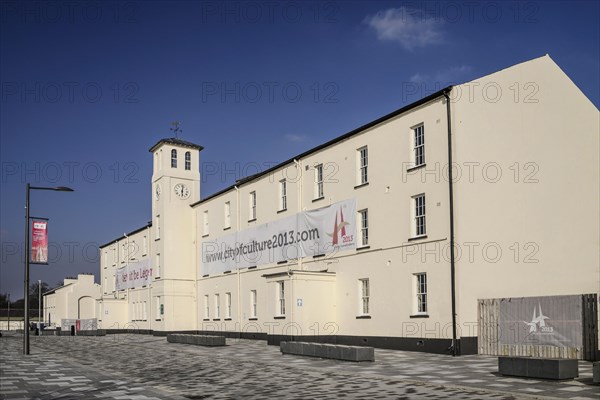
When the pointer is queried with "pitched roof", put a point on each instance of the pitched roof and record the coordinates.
(149, 224)
(345, 136)
(176, 141)
(56, 288)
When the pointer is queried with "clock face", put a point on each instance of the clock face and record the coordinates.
(157, 192)
(182, 191)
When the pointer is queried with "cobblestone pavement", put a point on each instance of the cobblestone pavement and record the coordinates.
(146, 367)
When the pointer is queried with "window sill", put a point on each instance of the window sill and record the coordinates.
(419, 316)
(253, 319)
(206, 319)
(157, 239)
(226, 272)
(281, 262)
(252, 267)
(363, 317)
(226, 228)
(417, 238)
(158, 320)
(415, 167)
(363, 248)
(318, 255)
(279, 317)
(205, 276)
(205, 235)
(282, 210)
(361, 185)
(252, 220)
(318, 198)
(227, 319)
(216, 319)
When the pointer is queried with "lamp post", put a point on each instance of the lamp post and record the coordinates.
(28, 188)
(9, 311)
(39, 305)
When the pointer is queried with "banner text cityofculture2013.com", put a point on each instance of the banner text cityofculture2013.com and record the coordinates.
(309, 233)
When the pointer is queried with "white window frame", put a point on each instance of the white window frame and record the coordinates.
(364, 227)
(228, 305)
(252, 206)
(364, 287)
(363, 165)
(145, 244)
(206, 307)
(157, 266)
(205, 226)
(217, 306)
(319, 189)
(282, 195)
(188, 161)
(253, 303)
(123, 252)
(227, 214)
(158, 315)
(280, 298)
(419, 216)
(418, 139)
(420, 285)
(173, 158)
(157, 230)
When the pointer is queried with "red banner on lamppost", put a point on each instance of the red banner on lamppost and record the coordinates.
(39, 242)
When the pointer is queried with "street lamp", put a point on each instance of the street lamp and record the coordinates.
(28, 188)
(39, 324)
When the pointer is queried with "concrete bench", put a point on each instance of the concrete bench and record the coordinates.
(596, 369)
(333, 351)
(198, 340)
(546, 368)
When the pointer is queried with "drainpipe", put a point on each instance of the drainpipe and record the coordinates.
(126, 255)
(299, 177)
(239, 293)
(455, 351)
(150, 255)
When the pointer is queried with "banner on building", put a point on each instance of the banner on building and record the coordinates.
(89, 324)
(323, 231)
(134, 275)
(549, 320)
(39, 241)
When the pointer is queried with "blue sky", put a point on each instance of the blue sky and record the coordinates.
(88, 87)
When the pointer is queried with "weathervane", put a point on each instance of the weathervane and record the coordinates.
(175, 127)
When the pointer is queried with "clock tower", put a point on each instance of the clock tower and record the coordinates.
(175, 186)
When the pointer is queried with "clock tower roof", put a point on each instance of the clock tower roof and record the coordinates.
(177, 142)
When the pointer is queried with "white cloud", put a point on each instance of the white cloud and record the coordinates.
(410, 28)
(295, 138)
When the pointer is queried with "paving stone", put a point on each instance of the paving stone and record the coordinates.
(128, 366)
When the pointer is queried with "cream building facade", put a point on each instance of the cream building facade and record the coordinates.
(516, 216)
(75, 299)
